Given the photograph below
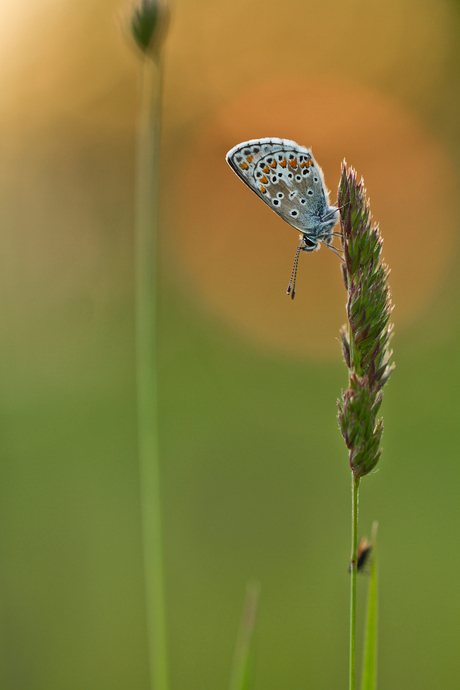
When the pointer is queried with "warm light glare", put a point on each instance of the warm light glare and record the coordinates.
(239, 254)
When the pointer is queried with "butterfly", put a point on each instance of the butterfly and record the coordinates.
(290, 181)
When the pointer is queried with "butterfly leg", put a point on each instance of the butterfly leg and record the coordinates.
(333, 249)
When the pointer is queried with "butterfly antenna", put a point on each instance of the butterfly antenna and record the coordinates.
(291, 286)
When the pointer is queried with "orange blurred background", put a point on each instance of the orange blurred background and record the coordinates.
(255, 474)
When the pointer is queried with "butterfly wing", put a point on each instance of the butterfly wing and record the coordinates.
(287, 178)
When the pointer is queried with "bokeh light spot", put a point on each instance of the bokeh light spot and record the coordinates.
(239, 254)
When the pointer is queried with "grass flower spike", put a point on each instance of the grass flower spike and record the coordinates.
(365, 339)
(365, 345)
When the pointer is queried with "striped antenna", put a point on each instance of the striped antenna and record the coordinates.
(291, 286)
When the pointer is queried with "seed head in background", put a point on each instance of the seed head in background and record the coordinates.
(149, 20)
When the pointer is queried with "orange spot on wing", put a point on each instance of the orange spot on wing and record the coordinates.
(263, 190)
(245, 166)
(263, 179)
(249, 159)
(293, 163)
(283, 163)
(273, 165)
(266, 169)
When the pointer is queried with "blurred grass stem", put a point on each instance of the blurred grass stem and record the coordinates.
(146, 231)
(241, 674)
(369, 681)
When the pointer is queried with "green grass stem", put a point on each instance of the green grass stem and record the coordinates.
(146, 231)
(354, 570)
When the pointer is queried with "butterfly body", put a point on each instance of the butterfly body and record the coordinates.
(288, 179)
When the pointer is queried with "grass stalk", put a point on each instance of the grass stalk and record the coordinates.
(146, 231)
(365, 346)
(353, 572)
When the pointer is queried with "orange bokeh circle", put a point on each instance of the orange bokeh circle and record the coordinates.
(239, 254)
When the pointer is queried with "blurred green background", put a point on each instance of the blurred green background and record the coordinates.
(255, 476)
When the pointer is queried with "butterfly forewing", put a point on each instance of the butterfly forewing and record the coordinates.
(286, 176)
